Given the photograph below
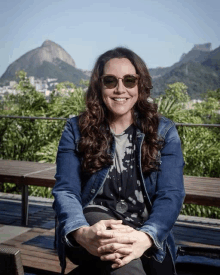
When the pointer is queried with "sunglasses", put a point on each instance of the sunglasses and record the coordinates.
(111, 81)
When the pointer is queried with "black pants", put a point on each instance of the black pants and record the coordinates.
(89, 264)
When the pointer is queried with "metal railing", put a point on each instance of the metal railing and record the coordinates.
(35, 117)
(63, 118)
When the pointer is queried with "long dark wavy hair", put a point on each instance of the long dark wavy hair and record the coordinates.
(96, 137)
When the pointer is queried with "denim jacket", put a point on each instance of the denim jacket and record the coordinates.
(164, 188)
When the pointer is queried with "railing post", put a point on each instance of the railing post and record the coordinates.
(24, 208)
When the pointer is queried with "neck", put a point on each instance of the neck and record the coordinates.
(119, 124)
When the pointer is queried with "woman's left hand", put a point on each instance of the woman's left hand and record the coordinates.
(136, 250)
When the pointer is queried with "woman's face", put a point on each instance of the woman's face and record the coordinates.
(119, 100)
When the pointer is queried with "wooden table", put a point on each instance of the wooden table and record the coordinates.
(26, 173)
(199, 190)
(202, 190)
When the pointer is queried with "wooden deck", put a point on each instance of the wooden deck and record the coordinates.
(36, 240)
(36, 244)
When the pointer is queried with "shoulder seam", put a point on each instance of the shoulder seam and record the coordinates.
(164, 130)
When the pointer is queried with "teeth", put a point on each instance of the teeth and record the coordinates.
(119, 99)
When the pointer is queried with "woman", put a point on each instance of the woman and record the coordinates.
(119, 181)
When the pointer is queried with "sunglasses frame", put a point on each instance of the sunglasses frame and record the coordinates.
(122, 78)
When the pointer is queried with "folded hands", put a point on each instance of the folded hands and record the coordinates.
(112, 241)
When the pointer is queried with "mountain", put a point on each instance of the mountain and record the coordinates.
(213, 59)
(198, 54)
(48, 61)
(196, 76)
(199, 69)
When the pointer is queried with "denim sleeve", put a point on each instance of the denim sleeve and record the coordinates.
(170, 193)
(67, 189)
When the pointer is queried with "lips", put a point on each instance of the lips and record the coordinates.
(120, 99)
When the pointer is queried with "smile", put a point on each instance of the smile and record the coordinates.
(120, 99)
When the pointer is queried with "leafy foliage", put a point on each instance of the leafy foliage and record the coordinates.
(65, 106)
(201, 146)
(177, 91)
(201, 211)
(36, 140)
(213, 94)
(47, 154)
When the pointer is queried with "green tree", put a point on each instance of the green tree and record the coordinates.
(208, 109)
(27, 98)
(213, 94)
(20, 139)
(65, 86)
(71, 103)
(84, 82)
(178, 92)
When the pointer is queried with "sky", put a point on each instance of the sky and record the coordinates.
(159, 31)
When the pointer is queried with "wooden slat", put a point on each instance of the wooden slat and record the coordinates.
(33, 250)
(197, 236)
(21, 172)
(202, 190)
(192, 244)
(21, 168)
(202, 200)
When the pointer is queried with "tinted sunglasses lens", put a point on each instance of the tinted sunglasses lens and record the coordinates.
(110, 81)
(130, 81)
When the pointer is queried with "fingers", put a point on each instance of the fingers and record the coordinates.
(104, 224)
(121, 262)
(122, 228)
(116, 253)
(121, 240)
(124, 249)
(108, 223)
(111, 257)
(115, 236)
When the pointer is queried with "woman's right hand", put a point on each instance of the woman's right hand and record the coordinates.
(87, 236)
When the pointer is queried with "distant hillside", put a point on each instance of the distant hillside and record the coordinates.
(213, 60)
(199, 69)
(48, 61)
(196, 76)
(199, 53)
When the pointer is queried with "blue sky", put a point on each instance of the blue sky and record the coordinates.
(159, 31)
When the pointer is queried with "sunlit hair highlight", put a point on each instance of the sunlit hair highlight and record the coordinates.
(96, 137)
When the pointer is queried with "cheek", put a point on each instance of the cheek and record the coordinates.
(135, 94)
(105, 97)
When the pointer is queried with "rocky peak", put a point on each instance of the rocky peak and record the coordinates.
(50, 51)
(48, 43)
(203, 47)
(197, 54)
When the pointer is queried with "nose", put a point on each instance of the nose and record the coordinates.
(120, 88)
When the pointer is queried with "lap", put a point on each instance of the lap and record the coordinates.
(89, 263)
(141, 266)
(93, 265)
